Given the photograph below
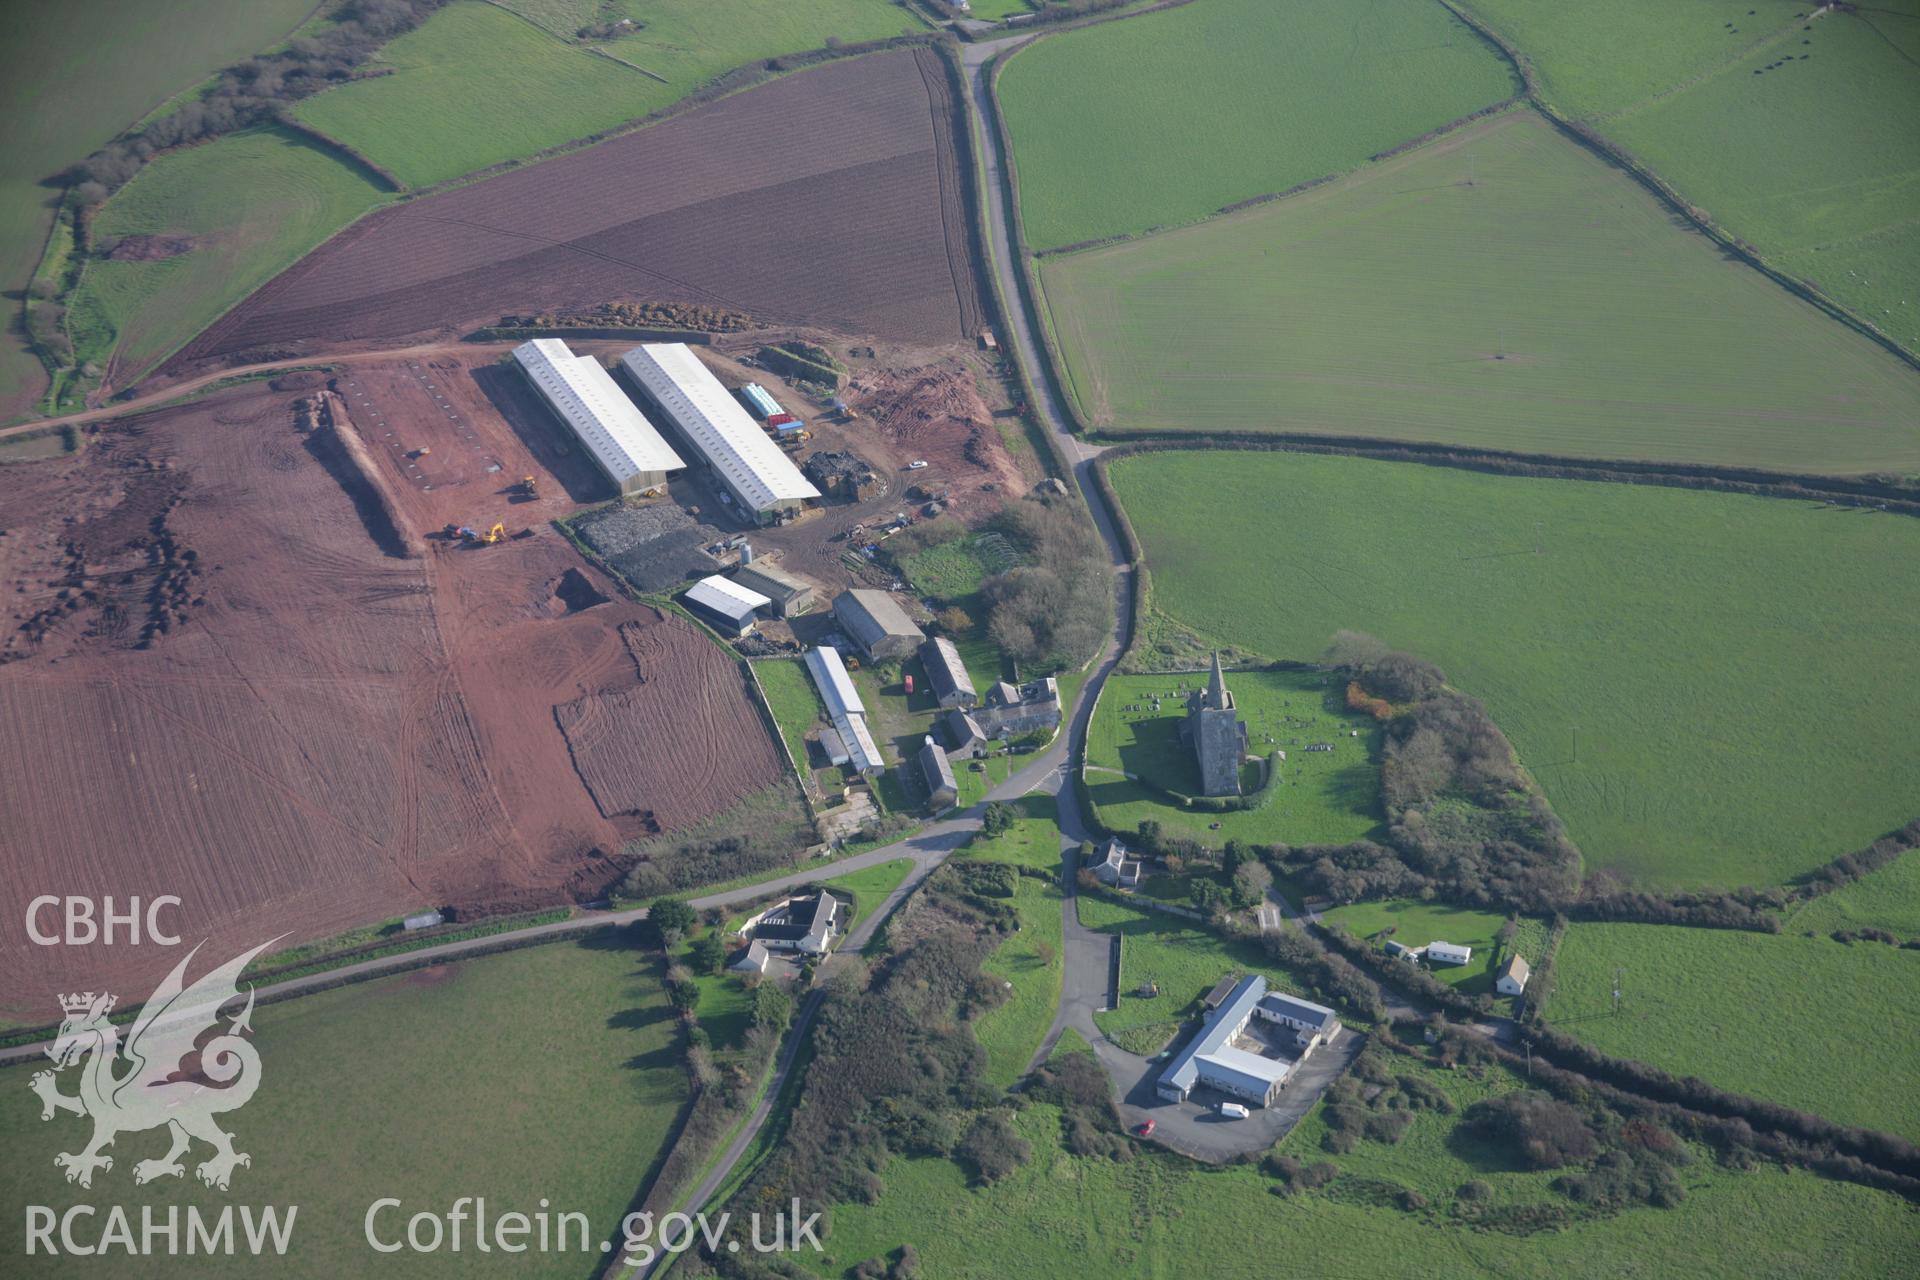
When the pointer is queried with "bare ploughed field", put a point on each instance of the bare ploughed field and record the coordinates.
(219, 684)
(831, 197)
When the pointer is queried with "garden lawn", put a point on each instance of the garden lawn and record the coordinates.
(1815, 1024)
(250, 202)
(1416, 923)
(553, 1071)
(1325, 797)
(1499, 289)
(1739, 671)
(1165, 118)
(476, 85)
(74, 74)
(1161, 1215)
(1885, 899)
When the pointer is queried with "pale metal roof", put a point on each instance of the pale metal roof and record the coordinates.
(1221, 1026)
(603, 416)
(732, 442)
(844, 708)
(728, 599)
(1230, 1061)
(835, 685)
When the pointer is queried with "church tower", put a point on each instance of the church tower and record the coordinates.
(1217, 734)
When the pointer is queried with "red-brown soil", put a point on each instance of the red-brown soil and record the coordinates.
(831, 197)
(327, 732)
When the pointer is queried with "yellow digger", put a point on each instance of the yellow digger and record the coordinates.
(466, 533)
(529, 486)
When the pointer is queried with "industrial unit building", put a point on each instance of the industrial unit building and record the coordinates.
(844, 709)
(877, 623)
(748, 466)
(617, 435)
(727, 607)
(1211, 1058)
(790, 596)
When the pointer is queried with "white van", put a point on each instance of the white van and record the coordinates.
(1233, 1111)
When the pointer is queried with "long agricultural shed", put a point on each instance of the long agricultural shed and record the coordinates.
(844, 708)
(711, 422)
(579, 389)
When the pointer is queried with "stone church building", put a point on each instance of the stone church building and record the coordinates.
(1217, 735)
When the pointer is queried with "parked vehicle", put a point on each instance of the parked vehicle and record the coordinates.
(1233, 1111)
(1144, 1128)
(917, 465)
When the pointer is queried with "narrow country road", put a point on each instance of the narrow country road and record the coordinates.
(1055, 768)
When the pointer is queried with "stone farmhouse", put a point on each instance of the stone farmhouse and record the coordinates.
(1010, 709)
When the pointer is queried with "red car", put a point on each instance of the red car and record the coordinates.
(1144, 1128)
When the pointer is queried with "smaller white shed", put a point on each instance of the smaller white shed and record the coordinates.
(725, 605)
(1448, 953)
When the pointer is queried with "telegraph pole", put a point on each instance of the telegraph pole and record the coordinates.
(1616, 991)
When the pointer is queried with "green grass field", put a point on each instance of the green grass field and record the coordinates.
(1885, 899)
(1738, 671)
(75, 74)
(1809, 1022)
(1609, 54)
(1773, 122)
(476, 85)
(547, 1072)
(1811, 175)
(1160, 1215)
(794, 701)
(1416, 923)
(1032, 959)
(1325, 797)
(1163, 119)
(1499, 289)
(252, 202)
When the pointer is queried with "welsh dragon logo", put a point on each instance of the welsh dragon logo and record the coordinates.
(148, 1082)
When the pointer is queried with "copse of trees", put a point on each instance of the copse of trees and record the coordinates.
(1053, 610)
(256, 91)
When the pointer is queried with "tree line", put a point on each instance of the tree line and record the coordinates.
(255, 91)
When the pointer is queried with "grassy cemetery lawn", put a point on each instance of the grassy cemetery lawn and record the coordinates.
(1324, 797)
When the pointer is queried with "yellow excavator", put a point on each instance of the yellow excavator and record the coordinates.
(467, 533)
(529, 486)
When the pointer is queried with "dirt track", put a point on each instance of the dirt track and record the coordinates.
(326, 732)
(831, 197)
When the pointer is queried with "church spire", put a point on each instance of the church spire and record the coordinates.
(1217, 685)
